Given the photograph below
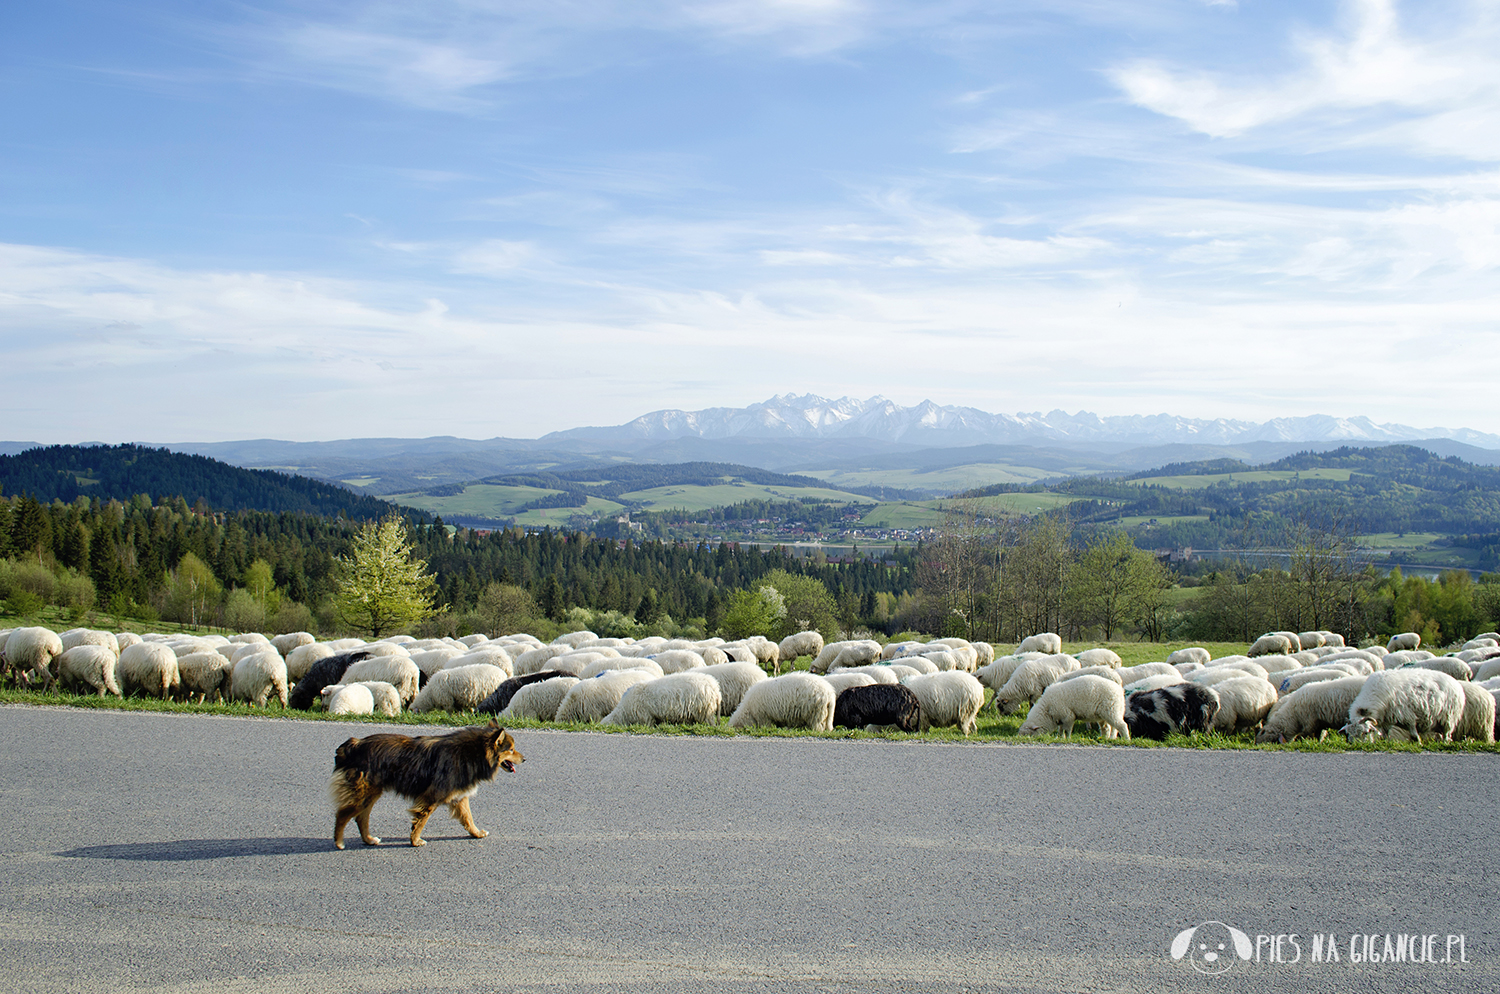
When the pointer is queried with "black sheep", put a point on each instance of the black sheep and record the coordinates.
(1182, 707)
(324, 673)
(500, 699)
(879, 704)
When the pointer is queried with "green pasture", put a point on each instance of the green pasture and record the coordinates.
(949, 479)
(933, 513)
(557, 516)
(479, 500)
(698, 498)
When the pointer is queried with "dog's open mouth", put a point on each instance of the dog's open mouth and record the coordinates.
(508, 766)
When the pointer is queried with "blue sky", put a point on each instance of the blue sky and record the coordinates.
(334, 219)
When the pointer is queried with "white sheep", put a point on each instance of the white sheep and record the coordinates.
(1273, 643)
(919, 663)
(1292, 640)
(678, 660)
(539, 701)
(459, 689)
(1100, 656)
(842, 680)
(1314, 709)
(74, 637)
(877, 672)
(687, 698)
(900, 670)
(151, 668)
(574, 639)
(951, 698)
(648, 666)
(398, 671)
(1091, 699)
(1244, 703)
(300, 659)
(1406, 704)
(348, 698)
(1282, 664)
(962, 650)
(89, 665)
(590, 699)
(535, 660)
(942, 659)
(1047, 643)
(1290, 683)
(255, 677)
(895, 650)
(1214, 677)
(1488, 669)
(766, 651)
(1361, 660)
(246, 637)
(286, 643)
(472, 640)
(800, 644)
(1030, 679)
(1478, 720)
(1108, 672)
(430, 661)
(1456, 668)
(792, 700)
(1406, 640)
(1186, 668)
(734, 679)
(984, 654)
(122, 639)
(1310, 639)
(1130, 674)
(494, 655)
(204, 674)
(1154, 682)
(856, 653)
(32, 650)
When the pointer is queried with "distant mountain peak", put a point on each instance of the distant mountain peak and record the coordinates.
(810, 416)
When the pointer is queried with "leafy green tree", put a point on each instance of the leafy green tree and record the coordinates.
(753, 612)
(381, 587)
(809, 605)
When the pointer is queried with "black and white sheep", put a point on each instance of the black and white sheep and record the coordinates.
(1182, 708)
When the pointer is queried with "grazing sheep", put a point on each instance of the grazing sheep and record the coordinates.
(122, 639)
(1456, 668)
(856, 653)
(1362, 660)
(1292, 682)
(962, 650)
(589, 700)
(1282, 664)
(877, 672)
(1406, 704)
(686, 698)
(901, 671)
(984, 654)
(1291, 639)
(1090, 699)
(949, 698)
(398, 671)
(678, 660)
(348, 698)
(1030, 679)
(1478, 719)
(1047, 643)
(1130, 674)
(1310, 639)
(1488, 669)
(598, 666)
(536, 660)
(798, 645)
(31, 651)
(1401, 657)
(472, 640)
(74, 637)
(324, 673)
(291, 640)
(766, 651)
(734, 679)
(878, 707)
(386, 697)
(205, 674)
(919, 663)
(1154, 682)
(1223, 674)
(894, 650)
(842, 680)
(256, 677)
(1184, 708)
(712, 655)
(247, 637)
(430, 661)
(1244, 703)
(1108, 672)
(88, 665)
(461, 689)
(1186, 668)
(574, 639)
(1272, 644)
(151, 668)
(1100, 657)
(1315, 709)
(1406, 640)
(494, 655)
(500, 699)
(1192, 654)
(792, 700)
(300, 659)
(942, 659)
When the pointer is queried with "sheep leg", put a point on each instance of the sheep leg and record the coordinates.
(419, 814)
(460, 809)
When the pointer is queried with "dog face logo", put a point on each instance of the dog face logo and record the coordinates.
(1211, 947)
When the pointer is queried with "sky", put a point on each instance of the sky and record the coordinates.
(324, 220)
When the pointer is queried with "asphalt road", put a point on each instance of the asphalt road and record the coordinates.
(179, 853)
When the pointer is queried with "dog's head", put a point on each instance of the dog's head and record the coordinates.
(501, 748)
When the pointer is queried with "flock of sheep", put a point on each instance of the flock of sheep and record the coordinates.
(1288, 686)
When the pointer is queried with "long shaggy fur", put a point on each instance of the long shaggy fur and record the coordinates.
(429, 770)
(878, 704)
(324, 673)
(1183, 707)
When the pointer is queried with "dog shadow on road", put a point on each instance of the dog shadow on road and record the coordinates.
(183, 850)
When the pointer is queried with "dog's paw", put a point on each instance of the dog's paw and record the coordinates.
(338, 845)
(373, 840)
(479, 833)
(418, 842)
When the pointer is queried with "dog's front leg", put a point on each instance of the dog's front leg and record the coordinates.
(460, 809)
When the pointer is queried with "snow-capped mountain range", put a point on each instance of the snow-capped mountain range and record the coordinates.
(930, 424)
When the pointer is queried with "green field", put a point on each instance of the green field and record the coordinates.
(693, 498)
(1142, 519)
(479, 500)
(557, 516)
(932, 513)
(1259, 476)
(949, 479)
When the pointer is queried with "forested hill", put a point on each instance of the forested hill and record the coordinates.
(119, 472)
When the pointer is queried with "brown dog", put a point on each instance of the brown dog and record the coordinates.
(430, 770)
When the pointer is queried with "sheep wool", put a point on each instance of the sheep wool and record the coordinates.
(589, 700)
(800, 644)
(1156, 682)
(1030, 679)
(257, 676)
(75, 637)
(1109, 673)
(1047, 642)
(1312, 710)
(300, 658)
(686, 698)
(1090, 699)
(1272, 644)
(1406, 640)
(32, 650)
(1183, 708)
(1100, 657)
(206, 674)
(88, 665)
(291, 640)
(398, 671)
(878, 707)
(151, 668)
(460, 689)
(1478, 719)
(1244, 703)
(1192, 654)
(677, 660)
(949, 698)
(1406, 704)
(734, 679)
(649, 666)
(352, 698)
(792, 700)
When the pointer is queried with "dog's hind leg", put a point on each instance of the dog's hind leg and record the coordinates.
(420, 812)
(363, 820)
(460, 809)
